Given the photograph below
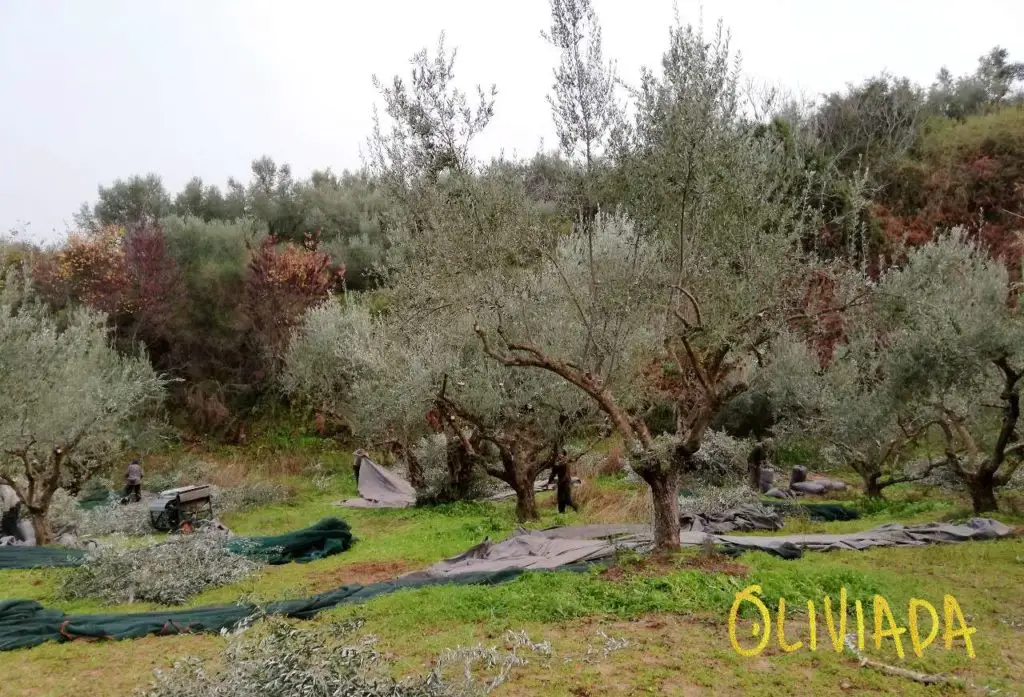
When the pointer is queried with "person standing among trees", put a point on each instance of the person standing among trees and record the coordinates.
(756, 461)
(10, 510)
(563, 491)
(133, 482)
(358, 455)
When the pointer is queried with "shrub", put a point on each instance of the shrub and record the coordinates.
(184, 473)
(167, 573)
(248, 495)
(709, 500)
(432, 453)
(282, 660)
(116, 519)
(722, 459)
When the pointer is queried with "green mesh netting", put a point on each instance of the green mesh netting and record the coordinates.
(25, 623)
(329, 536)
(15, 557)
(95, 495)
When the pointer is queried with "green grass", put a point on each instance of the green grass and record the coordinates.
(674, 615)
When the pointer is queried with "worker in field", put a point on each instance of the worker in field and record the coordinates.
(759, 457)
(10, 510)
(359, 455)
(561, 475)
(133, 482)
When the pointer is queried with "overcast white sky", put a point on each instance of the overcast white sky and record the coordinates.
(92, 90)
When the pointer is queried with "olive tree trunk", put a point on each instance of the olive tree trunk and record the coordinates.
(872, 484)
(526, 502)
(983, 492)
(40, 525)
(664, 483)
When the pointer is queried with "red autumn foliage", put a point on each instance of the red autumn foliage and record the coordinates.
(155, 296)
(92, 265)
(127, 274)
(822, 321)
(966, 175)
(284, 280)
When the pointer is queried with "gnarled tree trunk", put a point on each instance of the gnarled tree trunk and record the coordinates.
(872, 484)
(41, 526)
(664, 483)
(519, 471)
(982, 489)
(526, 502)
(460, 472)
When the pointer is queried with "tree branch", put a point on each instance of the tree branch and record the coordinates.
(696, 308)
(628, 428)
(14, 485)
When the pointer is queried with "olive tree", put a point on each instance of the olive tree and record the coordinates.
(676, 309)
(514, 424)
(353, 365)
(848, 405)
(583, 94)
(457, 229)
(68, 400)
(955, 338)
(394, 378)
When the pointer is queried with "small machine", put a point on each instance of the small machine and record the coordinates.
(181, 509)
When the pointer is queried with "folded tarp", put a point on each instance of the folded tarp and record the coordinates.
(380, 488)
(323, 539)
(743, 518)
(328, 537)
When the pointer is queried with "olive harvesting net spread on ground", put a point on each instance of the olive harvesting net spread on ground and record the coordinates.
(31, 557)
(823, 512)
(25, 623)
(329, 536)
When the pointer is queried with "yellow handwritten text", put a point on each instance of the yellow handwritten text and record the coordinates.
(885, 630)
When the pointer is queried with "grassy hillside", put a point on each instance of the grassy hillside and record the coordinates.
(671, 613)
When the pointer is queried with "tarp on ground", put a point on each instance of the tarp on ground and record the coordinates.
(743, 518)
(26, 623)
(552, 548)
(25, 557)
(826, 512)
(327, 537)
(888, 535)
(541, 550)
(380, 488)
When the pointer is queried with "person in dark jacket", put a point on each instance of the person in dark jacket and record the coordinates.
(10, 510)
(759, 457)
(563, 491)
(359, 455)
(133, 482)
